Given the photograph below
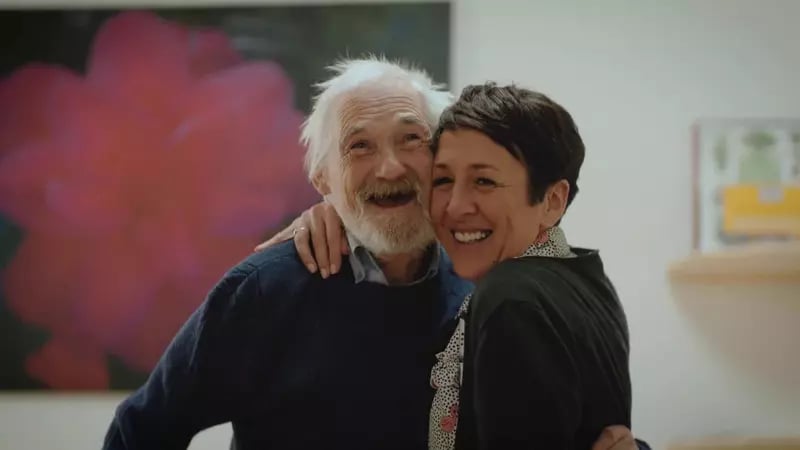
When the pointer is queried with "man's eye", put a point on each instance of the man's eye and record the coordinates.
(410, 137)
(359, 145)
(438, 181)
(485, 182)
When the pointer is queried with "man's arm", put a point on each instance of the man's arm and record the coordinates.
(188, 390)
(619, 437)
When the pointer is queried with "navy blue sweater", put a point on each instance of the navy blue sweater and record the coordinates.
(298, 362)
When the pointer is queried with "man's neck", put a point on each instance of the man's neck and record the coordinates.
(402, 268)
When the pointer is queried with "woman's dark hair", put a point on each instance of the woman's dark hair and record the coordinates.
(537, 131)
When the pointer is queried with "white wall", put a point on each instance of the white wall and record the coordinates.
(635, 74)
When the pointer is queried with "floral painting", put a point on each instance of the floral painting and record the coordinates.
(143, 153)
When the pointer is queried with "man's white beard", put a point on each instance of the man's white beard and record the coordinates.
(389, 234)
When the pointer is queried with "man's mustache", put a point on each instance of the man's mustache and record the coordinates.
(388, 188)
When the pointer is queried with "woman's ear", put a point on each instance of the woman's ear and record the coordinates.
(555, 202)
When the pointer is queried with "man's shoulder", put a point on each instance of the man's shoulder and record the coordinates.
(279, 260)
(274, 272)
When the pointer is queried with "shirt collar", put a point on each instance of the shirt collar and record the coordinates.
(550, 243)
(366, 268)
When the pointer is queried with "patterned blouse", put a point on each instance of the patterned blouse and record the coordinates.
(448, 370)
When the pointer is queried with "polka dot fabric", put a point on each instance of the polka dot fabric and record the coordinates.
(448, 370)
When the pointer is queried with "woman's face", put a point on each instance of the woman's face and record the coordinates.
(479, 203)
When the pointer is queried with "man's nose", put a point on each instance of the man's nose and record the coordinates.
(390, 168)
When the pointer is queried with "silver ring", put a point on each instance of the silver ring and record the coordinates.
(294, 232)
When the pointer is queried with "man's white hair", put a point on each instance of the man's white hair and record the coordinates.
(320, 131)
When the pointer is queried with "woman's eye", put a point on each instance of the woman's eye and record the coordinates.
(438, 181)
(412, 137)
(485, 182)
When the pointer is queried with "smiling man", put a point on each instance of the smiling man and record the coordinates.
(377, 181)
(298, 361)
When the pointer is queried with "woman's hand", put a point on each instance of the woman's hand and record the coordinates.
(319, 227)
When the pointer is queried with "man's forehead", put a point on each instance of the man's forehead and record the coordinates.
(397, 117)
(351, 127)
(359, 114)
(385, 100)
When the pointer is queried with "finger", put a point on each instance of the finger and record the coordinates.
(302, 243)
(345, 244)
(610, 436)
(283, 235)
(319, 239)
(333, 232)
(263, 245)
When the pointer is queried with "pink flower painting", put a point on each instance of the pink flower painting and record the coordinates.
(137, 185)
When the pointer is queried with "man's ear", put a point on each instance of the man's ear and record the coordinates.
(320, 182)
(555, 201)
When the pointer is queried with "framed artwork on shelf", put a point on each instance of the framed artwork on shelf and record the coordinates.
(746, 182)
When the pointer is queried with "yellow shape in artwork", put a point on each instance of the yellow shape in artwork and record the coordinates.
(761, 210)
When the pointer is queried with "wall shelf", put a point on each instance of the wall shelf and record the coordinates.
(789, 443)
(752, 263)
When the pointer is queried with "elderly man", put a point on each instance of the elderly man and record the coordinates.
(298, 361)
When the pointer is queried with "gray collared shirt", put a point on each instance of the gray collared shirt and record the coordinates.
(366, 268)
